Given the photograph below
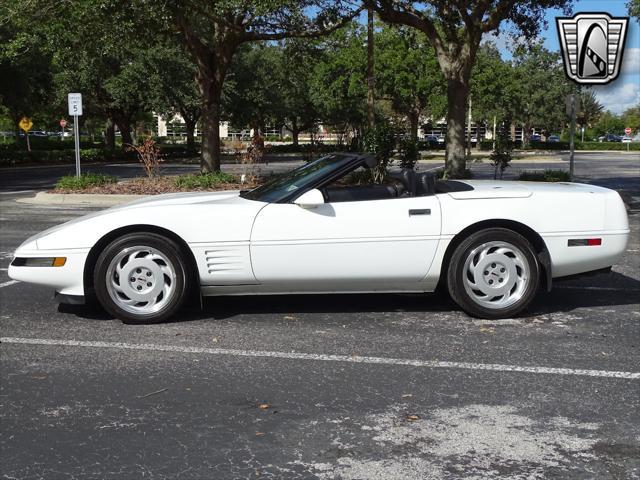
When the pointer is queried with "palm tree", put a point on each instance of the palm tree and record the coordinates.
(590, 110)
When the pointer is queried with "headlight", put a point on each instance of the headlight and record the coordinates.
(39, 262)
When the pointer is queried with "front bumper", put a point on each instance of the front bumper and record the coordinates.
(67, 279)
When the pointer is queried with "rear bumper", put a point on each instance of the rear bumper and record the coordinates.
(572, 260)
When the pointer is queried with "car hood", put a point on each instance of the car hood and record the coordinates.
(189, 198)
(165, 211)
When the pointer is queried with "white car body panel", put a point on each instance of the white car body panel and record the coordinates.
(343, 242)
(248, 247)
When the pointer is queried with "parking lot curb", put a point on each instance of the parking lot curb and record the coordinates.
(89, 199)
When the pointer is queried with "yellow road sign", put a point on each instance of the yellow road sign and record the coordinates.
(26, 124)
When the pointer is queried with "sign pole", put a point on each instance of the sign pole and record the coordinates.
(75, 110)
(572, 134)
(76, 134)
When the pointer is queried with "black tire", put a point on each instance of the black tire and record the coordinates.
(167, 256)
(466, 271)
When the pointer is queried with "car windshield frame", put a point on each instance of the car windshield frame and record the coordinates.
(294, 183)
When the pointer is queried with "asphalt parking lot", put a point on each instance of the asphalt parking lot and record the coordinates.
(326, 387)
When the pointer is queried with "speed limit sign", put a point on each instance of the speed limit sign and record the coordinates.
(75, 104)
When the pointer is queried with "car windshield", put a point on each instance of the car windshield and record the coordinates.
(284, 185)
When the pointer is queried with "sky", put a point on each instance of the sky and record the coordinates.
(622, 93)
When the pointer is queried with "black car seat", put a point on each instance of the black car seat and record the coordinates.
(407, 177)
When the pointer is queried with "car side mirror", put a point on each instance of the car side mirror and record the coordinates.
(310, 199)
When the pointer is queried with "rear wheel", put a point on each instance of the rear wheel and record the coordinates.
(141, 278)
(494, 274)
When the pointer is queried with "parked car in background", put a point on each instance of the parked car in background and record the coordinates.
(535, 137)
(38, 133)
(441, 140)
(431, 140)
(553, 139)
(609, 137)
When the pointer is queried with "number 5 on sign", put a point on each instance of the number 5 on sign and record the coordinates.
(75, 104)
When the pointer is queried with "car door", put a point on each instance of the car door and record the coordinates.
(357, 245)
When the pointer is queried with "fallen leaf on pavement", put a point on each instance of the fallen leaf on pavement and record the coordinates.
(264, 406)
(413, 418)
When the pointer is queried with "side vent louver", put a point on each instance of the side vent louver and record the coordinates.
(221, 261)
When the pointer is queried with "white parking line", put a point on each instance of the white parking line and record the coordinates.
(9, 283)
(323, 358)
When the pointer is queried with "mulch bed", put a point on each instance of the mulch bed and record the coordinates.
(152, 186)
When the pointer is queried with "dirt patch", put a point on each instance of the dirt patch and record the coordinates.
(151, 186)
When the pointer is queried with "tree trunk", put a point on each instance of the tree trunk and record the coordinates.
(370, 71)
(526, 134)
(414, 117)
(455, 162)
(124, 125)
(110, 135)
(210, 156)
(190, 126)
(295, 133)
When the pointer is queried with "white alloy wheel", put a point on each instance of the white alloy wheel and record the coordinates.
(496, 274)
(141, 280)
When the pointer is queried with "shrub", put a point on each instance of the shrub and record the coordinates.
(486, 145)
(50, 156)
(501, 155)
(546, 176)
(409, 151)
(149, 156)
(549, 145)
(381, 141)
(177, 151)
(607, 146)
(86, 180)
(203, 181)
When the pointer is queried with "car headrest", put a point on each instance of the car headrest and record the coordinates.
(426, 184)
(407, 177)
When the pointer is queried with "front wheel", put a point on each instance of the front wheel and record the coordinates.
(494, 274)
(141, 278)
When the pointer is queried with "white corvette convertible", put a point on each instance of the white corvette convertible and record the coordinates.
(493, 245)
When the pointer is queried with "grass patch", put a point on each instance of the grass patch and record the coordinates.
(204, 181)
(86, 180)
(546, 176)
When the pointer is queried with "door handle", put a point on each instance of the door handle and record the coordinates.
(419, 211)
